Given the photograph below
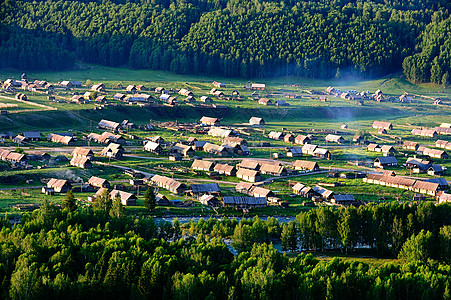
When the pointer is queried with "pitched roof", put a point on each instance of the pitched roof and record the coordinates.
(322, 191)
(97, 181)
(247, 172)
(305, 164)
(202, 164)
(57, 183)
(79, 151)
(229, 200)
(32, 134)
(387, 160)
(206, 188)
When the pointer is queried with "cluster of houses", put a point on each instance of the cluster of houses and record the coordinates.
(354, 95)
(13, 157)
(429, 186)
(420, 166)
(320, 194)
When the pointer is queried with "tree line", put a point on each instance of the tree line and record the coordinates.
(94, 252)
(318, 39)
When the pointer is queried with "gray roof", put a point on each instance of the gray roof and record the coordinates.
(387, 160)
(206, 188)
(244, 200)
(346, 197)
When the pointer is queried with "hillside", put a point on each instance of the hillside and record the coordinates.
(316, 39)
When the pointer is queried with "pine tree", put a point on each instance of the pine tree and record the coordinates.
(149, 199)
(117, 209)
(69, 201)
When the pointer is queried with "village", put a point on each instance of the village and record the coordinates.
(216, 162)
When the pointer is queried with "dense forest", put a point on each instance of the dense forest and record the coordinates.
(101, 253)
(317, 38)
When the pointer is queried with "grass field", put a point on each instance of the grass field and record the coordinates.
(306, 114)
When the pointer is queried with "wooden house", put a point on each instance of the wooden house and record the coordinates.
(256, 121)
(127, 199)
(83, 152)
(289, 138)
(184, 150)
(81, 162)
(248, 175)
(99, 182)
(225, 169)
(209, 121)
(113, 150)
(265, 101)
(276, 135)
(413, 146)
(258, 191)
(305, 165)
(388, 150)
(244, 202)
(383, 125)
(273, 169)
(206, 188)
(59, 185)
(302, 139)
(109, 125)
(332, 138)
(169, 184)
(215, 149)
(203, 165)
(374, 148)
(153, 147)
(384, 162)
(322, 153)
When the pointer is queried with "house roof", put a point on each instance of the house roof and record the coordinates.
(125, 196)
(346, 197)
(32, 134)
(108, 124)
(202, 164)
(213, 148)
(309, 148)
(57, 183)
(275, 135)
(247, 186)
(298, 187)
(79, 160)
(372, 146)
(224, 168)
(387, 160)
(220, 132)
(333, 137)
(82, 152)
(295, 150)
(260, 192)
(321, 151)
(247, 173)
(272, 168)
(206, 188)
(322, 191)
(209, 120)
(382, 124)
(249, 164)
(410, 144)
(424, 185)
(151, 146)
(97, 181)
(254, 120)
(229, 200)
(305, 164)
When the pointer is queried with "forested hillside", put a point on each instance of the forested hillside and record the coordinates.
(100, 253)
(318, 39)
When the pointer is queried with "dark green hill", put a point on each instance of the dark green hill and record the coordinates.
(317, 39)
